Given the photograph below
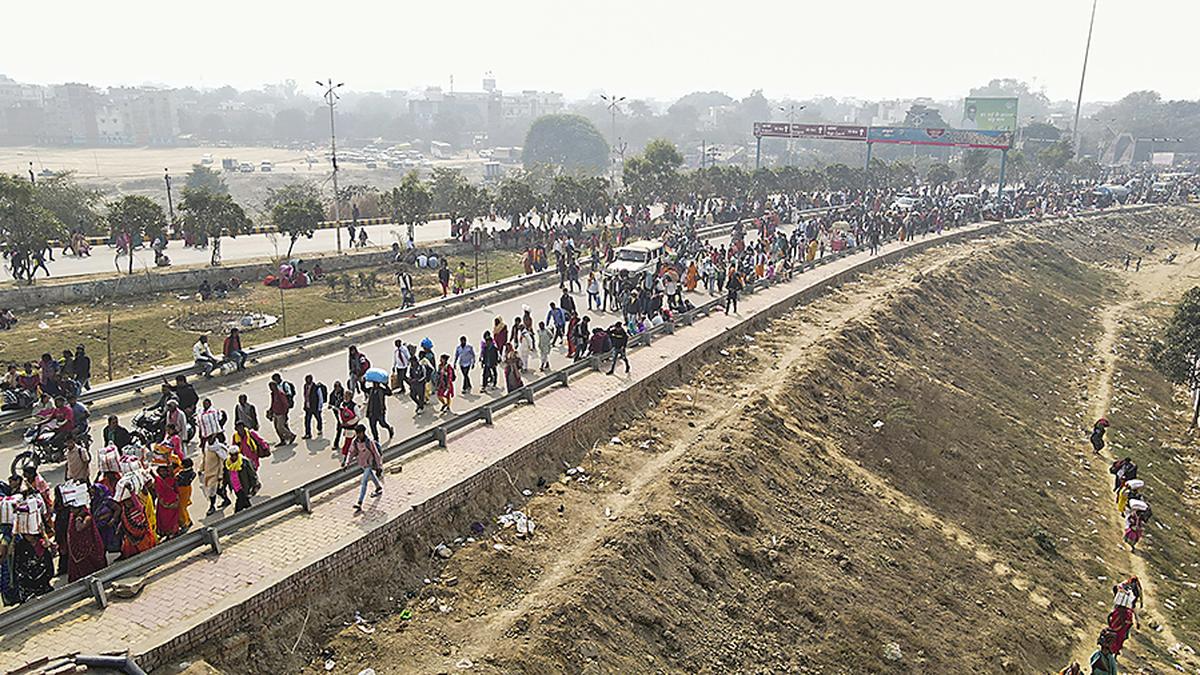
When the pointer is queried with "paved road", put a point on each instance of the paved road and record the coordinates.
(294, 465)
(242, 248)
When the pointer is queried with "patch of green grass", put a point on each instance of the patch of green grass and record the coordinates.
(145, 332)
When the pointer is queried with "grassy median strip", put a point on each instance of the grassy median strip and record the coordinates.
(159, 329)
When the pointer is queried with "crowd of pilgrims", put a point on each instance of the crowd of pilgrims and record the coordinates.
(138, 498)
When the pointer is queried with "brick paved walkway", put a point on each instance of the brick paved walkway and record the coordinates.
(184, 594)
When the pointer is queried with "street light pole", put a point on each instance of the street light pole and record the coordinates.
(170, 201)
(614, 103)
(791, 111)
(1083, 76)
(331, 98)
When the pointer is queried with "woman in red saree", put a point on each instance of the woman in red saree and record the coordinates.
(166, 502)
(85, 548)
(137, 535)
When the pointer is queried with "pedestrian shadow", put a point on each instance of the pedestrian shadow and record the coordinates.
(282, 453)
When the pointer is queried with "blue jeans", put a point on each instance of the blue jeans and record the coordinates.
(368, 474)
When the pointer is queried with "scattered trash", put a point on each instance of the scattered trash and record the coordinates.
(878, 424)
(450, 581)
(465, 664)
(527, 492)
(367, 671)
(406, 614)
(43, 325)
(477, 527)
(329, 664)
(891, 652)
(616, 440)
(724, 352)
(522, 522)
(442, 551)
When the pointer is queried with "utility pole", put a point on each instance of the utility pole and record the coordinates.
(331, 98)
(1082, 76)
(614, 103)
(170, 204)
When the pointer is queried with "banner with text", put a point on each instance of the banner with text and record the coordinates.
(990, 114)
(837, 132)
(957, 138)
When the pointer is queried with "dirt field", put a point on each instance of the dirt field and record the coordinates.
(894, 478)
(117, 171)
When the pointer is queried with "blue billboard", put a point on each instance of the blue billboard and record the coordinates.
(955, 138)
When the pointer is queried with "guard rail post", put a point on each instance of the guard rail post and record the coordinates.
(304, 499)
(97, 588)
(595, 360)
(486, 414)
(440, 433)
(527, 393)
(563, 377)
(213, 539)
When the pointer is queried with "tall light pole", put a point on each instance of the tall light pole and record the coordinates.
(1082, 76)
(170, 201)
(331, 98)
(791, 110)
(614, 103)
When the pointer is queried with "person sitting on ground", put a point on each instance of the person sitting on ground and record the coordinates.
(7, 319)
(204, 356)
(205, 290)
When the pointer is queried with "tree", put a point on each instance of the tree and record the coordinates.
(568, 141)
(410, 202)
(296, 210)
(920, 115)
(467, 203)
(1056, 156)
(973, 163)
(653, 176)
(26, 227)
(940, 174)
(515, 197)
(209, 215)
(445, 183)
(204, 178)
(1177, 354)
(73, 205)
(136, 217)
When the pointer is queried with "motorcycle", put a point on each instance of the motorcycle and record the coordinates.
(149, 426)
(42, 448)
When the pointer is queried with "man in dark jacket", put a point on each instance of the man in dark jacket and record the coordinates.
(315, 397)
(489, 357)
(83, 368)
(619, 341)
(566, 302)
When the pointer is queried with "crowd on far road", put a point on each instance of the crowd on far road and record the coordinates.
(135, 490)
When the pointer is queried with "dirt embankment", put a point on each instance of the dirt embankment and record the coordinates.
(894, 478)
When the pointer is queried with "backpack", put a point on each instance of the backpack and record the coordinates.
(290, 392)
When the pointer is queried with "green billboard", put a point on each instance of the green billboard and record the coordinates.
(989, 114)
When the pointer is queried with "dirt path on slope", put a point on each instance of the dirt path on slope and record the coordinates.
(1155, 282)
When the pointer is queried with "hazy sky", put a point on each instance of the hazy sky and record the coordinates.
(643, 48)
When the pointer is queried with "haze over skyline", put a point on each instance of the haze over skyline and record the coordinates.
(933, 48)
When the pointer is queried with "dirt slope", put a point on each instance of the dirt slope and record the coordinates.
(893, 478)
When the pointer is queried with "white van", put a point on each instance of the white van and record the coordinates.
(636, 257)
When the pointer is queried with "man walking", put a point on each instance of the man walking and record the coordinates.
(558, 319)
(490, 358)
(278, 413)
(377, 395)
(315, 397)
(399, 366)
(733, 284)
(245, 413)
(620, 341)
(464, 358)
(208, 423)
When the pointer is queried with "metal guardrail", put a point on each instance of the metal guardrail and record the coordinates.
(343, 330)
(94, 586)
